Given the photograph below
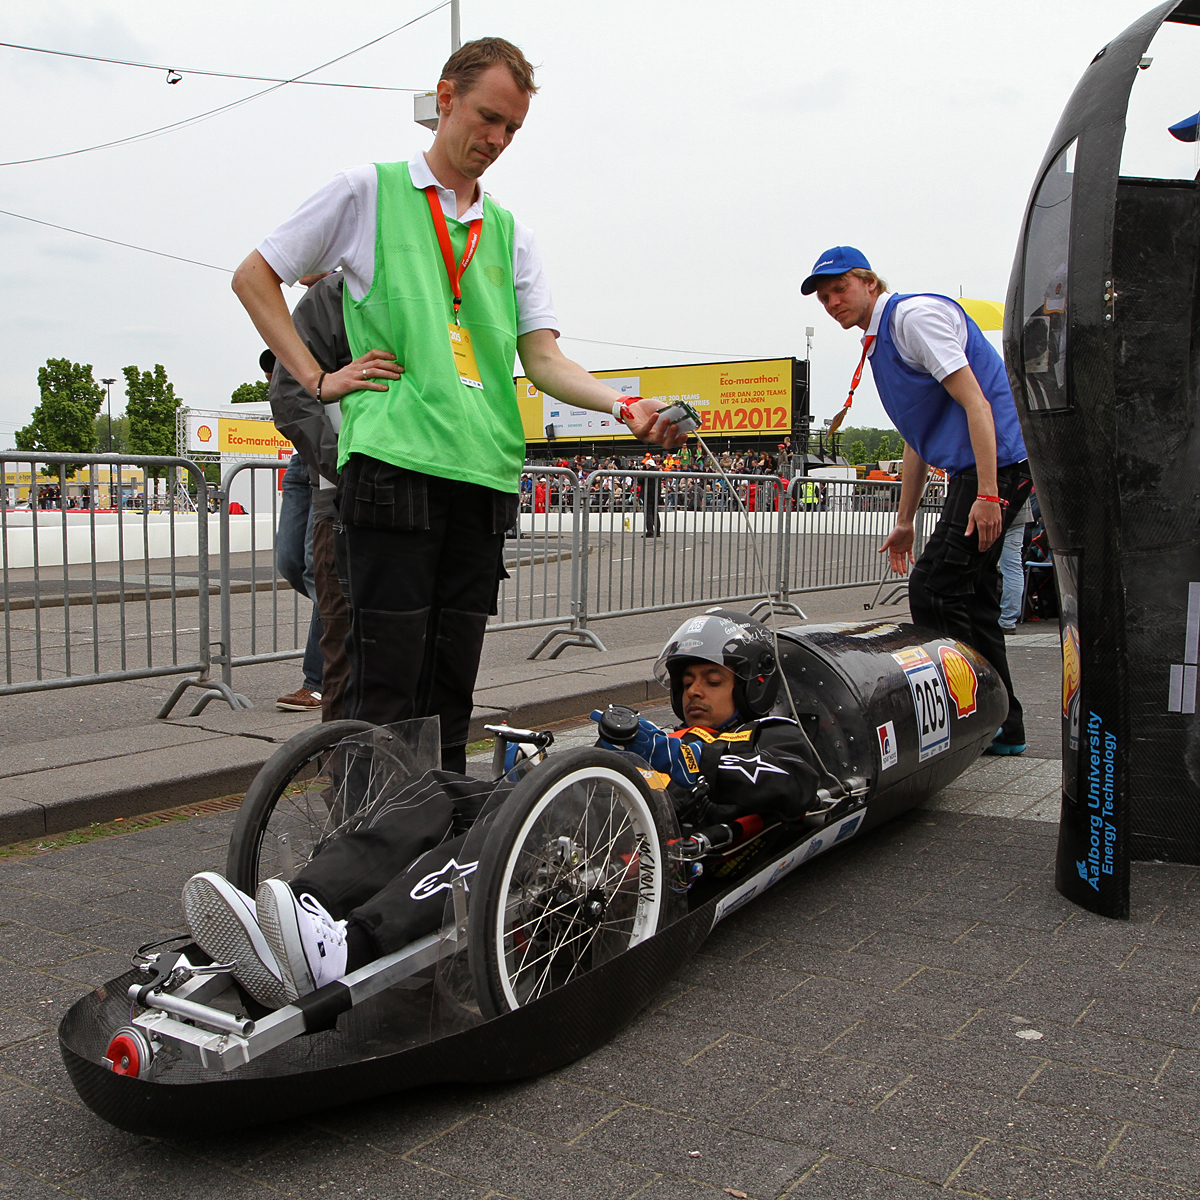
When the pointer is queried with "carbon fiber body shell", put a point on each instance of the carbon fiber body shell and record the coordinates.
(847, 682)
(1115, 456)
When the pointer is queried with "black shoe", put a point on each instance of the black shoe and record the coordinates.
(1008, 743)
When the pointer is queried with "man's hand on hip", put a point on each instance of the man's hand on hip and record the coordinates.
(987, 518)
(898, 547)
(372, 373)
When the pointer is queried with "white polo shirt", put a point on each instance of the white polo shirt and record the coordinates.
(336, 227)
(930, 334)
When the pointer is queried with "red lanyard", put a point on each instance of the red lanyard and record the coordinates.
(443, 237)
(868, 342)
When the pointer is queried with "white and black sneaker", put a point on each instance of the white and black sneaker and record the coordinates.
(224, 923)
(308, 944)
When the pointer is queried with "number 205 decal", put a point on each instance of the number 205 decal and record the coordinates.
(929, 699)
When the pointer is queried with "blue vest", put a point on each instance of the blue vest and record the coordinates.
(929, 419)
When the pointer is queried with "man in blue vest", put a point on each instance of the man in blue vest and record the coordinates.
(945, 388)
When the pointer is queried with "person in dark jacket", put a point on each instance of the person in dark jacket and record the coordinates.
(312, 427)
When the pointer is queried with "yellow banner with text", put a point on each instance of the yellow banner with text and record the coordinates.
(732, 398)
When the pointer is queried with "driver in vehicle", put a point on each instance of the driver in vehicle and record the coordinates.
(730, 758)
(374, 890)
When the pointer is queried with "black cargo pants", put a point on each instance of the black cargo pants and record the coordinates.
(955, 588)
(420, 559)
(390, 879)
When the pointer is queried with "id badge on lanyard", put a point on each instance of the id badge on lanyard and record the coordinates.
(460, 337)
(464, 355)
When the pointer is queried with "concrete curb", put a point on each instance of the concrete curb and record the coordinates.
(168, 764)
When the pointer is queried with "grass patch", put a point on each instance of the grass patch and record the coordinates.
(116, 827)
(480, 746)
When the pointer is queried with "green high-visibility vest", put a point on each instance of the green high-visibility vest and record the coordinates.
(428, 420)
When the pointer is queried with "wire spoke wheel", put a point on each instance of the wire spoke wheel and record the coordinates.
(296, 803)
(571, 875)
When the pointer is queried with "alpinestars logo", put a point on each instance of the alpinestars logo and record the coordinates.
(437, 880)
(752, 768)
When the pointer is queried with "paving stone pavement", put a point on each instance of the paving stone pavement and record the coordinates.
(915, 1014)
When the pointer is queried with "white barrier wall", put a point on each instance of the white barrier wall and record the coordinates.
(136, 530)
(841, 522)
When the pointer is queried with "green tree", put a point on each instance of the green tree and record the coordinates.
(120, 434)
(150, 404)
(858, 452)
(871, 440)
(64, 421)
(884, 449)
(250, 393)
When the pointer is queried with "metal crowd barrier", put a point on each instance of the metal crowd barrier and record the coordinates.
(269, 620)
(72, 536)
(836, 529)
(616, 544)
(542, 554)
(653, 541)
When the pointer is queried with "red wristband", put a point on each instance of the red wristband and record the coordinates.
(621, 408)
(993, 500)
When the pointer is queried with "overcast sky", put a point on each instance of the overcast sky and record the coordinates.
(683, 165)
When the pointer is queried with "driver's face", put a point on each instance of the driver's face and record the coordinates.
(707, 695)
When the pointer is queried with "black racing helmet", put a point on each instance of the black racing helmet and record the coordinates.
(729, 639)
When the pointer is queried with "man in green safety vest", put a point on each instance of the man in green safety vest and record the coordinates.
(443, 287)
(809, 495)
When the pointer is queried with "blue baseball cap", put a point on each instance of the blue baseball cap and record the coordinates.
(835, 261)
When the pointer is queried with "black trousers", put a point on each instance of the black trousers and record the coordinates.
(390, 879)
(955, 588)
(420, 559)
(335, 619)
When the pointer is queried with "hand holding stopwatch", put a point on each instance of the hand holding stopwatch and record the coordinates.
(682, 415)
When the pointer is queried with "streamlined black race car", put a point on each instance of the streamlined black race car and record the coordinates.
(580, 898)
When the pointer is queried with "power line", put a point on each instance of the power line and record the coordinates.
(125, 62)
(113, 241)
(228, 271)
(141, 137)
(204, 116)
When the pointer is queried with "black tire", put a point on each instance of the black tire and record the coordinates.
(272, 827)
(573, 872)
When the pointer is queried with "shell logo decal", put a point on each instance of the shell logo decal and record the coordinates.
(1070, 654)
(961, 680)
(204, 434)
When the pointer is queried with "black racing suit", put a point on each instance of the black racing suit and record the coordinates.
(389, 878)
(764, 766)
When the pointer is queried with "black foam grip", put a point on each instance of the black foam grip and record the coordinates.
(322, 1008)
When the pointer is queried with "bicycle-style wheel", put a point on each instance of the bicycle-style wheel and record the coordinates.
(572, 874)
(281, 823)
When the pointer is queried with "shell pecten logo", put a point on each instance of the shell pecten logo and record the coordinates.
(961, 680)
(1071, 670)
(204, 433)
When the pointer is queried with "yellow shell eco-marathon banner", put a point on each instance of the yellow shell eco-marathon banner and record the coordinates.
(732, 398)
(235, 435)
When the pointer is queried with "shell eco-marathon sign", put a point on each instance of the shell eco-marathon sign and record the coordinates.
(732, 398)
(245, 437)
